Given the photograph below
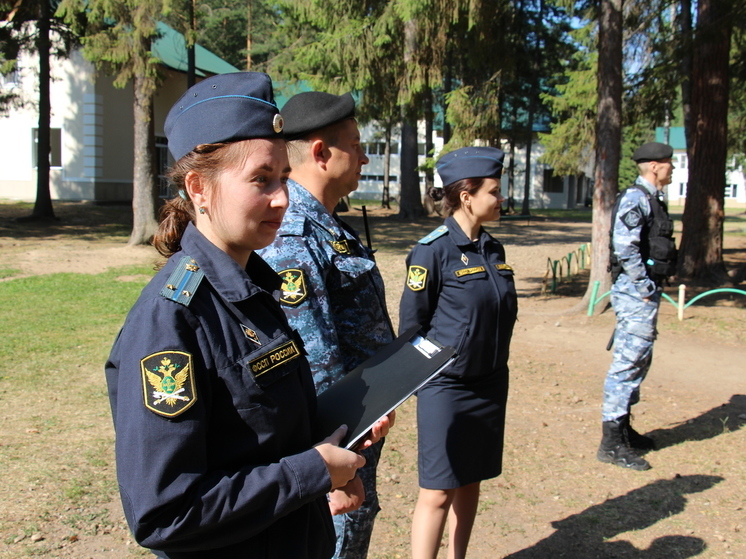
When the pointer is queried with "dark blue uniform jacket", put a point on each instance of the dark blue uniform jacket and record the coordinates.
(233, 474)
(463, 295)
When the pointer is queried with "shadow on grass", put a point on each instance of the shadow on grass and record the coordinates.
(584, 535)
(727, 417)
(80, 220)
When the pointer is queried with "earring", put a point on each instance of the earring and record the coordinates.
(202, 210)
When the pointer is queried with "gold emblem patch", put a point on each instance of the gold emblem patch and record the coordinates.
(340, 246)
(274, 358)
(293, 286)
(168, 383)
(250, 334)
(416, 278)
(467, 271)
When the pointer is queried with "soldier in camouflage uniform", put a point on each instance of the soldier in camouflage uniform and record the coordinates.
(332, 292)
(643, 256)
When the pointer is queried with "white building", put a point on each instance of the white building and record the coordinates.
(735, 185)
(92, 125)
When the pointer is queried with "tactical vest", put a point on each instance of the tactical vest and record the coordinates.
(657, 246)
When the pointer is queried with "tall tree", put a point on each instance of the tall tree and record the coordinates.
(245, 33)
(410, 204)
(118, 39)
(569, 147)
(31, 26)
(43, 205)
(359, 42)
(608, 138)
(701, 251)
(686, 66)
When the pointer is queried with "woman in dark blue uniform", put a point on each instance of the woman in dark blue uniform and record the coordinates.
(461, 291)
(211, 395)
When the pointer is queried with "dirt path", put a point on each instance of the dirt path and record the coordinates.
(554, 498)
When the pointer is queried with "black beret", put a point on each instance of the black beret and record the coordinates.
(652, 151)
(313, 110)
(223, 108)
(470, 163)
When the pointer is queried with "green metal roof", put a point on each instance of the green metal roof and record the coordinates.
(676, 138)
(171, 49)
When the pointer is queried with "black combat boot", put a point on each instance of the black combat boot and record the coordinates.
(635, 439)
(614, 448)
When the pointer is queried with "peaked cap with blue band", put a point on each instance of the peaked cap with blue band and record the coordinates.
(470, 163)
(223, 108)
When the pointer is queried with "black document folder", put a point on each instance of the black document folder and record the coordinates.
(380, 384)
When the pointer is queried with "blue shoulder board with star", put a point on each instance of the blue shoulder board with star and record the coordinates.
(439, 232)
(182, 284)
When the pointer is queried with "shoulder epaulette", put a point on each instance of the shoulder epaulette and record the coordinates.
(439, 232)
(182, 284)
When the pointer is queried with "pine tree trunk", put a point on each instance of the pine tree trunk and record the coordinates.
(192, 47)
(43, 208)
(410, 203)
(701, 251)
(608, 142)
(385, 197)
(144, 187)
(685, 28)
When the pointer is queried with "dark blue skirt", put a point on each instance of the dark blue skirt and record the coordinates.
(460, 428)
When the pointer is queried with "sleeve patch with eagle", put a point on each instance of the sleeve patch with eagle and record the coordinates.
(293, 286)
(168, 382)
(416, 278)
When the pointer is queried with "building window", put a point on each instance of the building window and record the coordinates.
(379, 148)
(682, 190)
(553, 183)
(379, 178)
(55, 147)
(162, 163)
(731, 190)
(682, 161)
(9, 80)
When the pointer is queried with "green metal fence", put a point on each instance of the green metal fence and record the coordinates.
(680, 305)
(563, 268)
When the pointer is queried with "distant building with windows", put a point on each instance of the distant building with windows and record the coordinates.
(546, 190)
(735, 183)
(92, 125)
(92, 137)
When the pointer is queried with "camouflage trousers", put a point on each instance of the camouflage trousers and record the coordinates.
(355, 528)
(633, 348)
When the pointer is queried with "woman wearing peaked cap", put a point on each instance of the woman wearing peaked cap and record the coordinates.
(461, 291)
(211, 395)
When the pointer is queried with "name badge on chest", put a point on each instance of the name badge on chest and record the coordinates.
(274, 358)
(468, 271)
